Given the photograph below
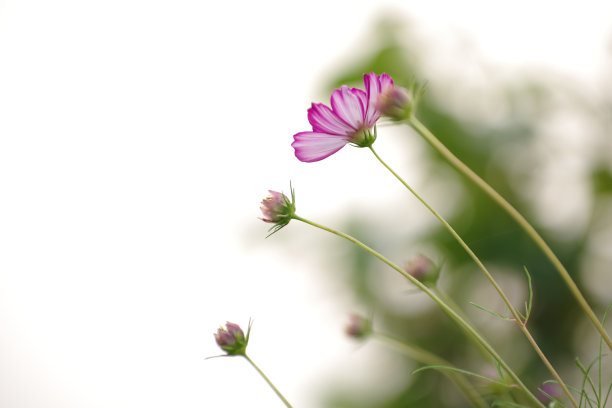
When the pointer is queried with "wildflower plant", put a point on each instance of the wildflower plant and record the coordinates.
(352, 118)
(234, 342)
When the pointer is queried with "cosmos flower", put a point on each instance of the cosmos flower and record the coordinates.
(350, 119)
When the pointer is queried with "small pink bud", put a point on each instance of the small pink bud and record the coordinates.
(395, 102)
(423, 269)
(548, 390)
(273, 206)
(358, 326)
(232, 339)
(277, 209)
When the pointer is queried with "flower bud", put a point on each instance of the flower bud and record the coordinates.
(232, 339)
(277, 209)
(358, 326)
(423, 269)
(395, 102)
(548, 392)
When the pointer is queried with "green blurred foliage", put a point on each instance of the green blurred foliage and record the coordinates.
(496, 239)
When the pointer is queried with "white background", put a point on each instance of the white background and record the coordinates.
(137, 139)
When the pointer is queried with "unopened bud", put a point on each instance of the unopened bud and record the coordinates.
(396, 103)
(423, 269)
(548, 393)
(358, 326)
(277, 209)
(232, 339)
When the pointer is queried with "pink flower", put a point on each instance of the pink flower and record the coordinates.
(350, 119)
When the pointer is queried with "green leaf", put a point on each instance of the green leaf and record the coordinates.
(600, 355)
(607, 395)
(550, 397)
(529, 303)
(576, 390)
(484, 309)
(465, 372)
(587, 378)
(507, 404)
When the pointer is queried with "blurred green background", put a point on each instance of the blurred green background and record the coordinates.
(541, 141)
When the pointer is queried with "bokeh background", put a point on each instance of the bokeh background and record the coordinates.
(137, 139)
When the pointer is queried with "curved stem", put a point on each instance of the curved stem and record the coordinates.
(268, 381)
(448, 310)
(515, 315)
(425, 357)
(449, 301)
(518, 217)
(454, 305)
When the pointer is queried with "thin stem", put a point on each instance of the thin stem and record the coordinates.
(268, 381)
(456, 307)
(449, 301)
(425, 357)
(518, 217)
(515, 315)
(448, 310)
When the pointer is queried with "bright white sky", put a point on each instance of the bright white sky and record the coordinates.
(137, 139)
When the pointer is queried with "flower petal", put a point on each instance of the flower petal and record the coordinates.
(372, 87)
(386, 82)
(324, 120)
(375, 85)
(349, 104)
(315, 146)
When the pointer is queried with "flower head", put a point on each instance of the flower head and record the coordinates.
(358, 326)
(549, 392)
(277, 209)
(423, 269)
(350, 119)
(232, 339)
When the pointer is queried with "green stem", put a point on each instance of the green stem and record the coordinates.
(518, 217)
(448, 310)
(425, 357)
(515, 315)
(268, 381)
(449, 301)
(456, 307)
